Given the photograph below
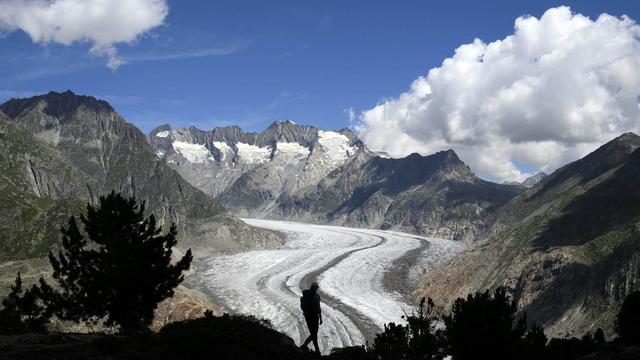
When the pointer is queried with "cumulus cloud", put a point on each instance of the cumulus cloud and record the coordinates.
(102, 23)
(551, 92)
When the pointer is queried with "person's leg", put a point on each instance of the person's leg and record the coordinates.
(313, 328)
(309, 321)
(307, 341)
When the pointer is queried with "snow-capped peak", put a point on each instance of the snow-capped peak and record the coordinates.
(336, 145)
(194, 153)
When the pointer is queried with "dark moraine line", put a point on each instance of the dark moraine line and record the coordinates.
(398, 278)
(363, 323)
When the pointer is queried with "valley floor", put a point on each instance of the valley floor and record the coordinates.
(365, 278)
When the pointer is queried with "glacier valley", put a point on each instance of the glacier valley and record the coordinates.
(361, 272)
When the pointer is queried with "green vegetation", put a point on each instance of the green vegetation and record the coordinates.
(39, 189)
(23, 311)
(117, 267)
(414, 340)
(628, 318)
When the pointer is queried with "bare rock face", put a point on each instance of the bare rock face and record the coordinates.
(302, 173)
(185, 304)
(567, 249)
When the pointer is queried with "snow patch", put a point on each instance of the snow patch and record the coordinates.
(292, 150)
(226, 152)
(252, 154)
(336, 146)
(163, 134)
(194, 153)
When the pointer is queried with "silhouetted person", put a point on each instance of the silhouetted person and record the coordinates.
(310, 305)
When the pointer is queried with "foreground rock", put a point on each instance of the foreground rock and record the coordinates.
(185, 304)
(226, 337)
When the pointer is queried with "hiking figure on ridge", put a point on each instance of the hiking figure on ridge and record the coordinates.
(310, 305)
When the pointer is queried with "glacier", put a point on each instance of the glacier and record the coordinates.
(351, 265)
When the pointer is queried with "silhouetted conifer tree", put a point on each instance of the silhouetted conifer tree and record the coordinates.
(484, 327)
(118, 266)
(23, 312)
(627, 323)
(415, 340)
(534, 343)
(599, 337)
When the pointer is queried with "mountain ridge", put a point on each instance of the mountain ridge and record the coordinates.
(567, 249)
(116, 156)
(304, 173)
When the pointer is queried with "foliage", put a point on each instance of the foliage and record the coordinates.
(23, 311)
(118, 266)
(627, 320)
(415, 340)
(485, 326)
(351, 353)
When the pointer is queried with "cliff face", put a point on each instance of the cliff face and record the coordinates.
(568, 249)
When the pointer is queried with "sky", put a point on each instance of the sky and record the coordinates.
(513, 87)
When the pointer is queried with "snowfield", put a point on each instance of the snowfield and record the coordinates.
(361, 273)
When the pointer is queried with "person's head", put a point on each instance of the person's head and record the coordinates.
(314, 287)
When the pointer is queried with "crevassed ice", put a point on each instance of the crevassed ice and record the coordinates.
(292, 149)
(163, 134)
(253, 154)
(226, 151)
(194, 153)
(336, 145)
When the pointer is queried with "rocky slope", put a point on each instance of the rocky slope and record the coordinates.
(303, 173)
(568, 249)
(84, 149)
(38, 189)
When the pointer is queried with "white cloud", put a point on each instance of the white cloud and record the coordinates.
(557, 88)
(205, 52)
(102, 23)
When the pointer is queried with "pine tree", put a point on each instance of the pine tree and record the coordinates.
(117, 266)
(484, 326)
(628, 320)
(415, 340)
(23, 312)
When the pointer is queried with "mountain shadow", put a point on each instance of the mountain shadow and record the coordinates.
(611, 204)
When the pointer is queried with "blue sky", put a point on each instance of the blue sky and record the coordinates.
(250, 62)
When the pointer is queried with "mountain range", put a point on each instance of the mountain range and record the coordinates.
(302, 173)
(565, 245)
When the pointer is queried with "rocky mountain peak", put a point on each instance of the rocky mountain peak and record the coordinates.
(289, 131)
(622, 145)
(58, 105)
(603, 159)
(161, 128)
(628, 138)
(533, 179)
